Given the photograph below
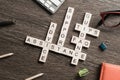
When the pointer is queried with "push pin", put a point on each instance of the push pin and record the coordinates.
(83, 72)
(103, 46)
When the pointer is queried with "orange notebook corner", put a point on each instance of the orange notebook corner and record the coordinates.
(110, 72)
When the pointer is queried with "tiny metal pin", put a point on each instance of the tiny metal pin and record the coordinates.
(35, 76)
(6, 55)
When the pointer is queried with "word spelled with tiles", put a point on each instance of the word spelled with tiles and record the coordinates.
(80, 41)
(59, 48)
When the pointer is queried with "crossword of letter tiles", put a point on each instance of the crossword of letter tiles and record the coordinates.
(59, 48)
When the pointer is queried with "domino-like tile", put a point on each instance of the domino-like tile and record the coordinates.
(78, 47)
(74, 61)
(78, 27)
(82, 56)
(74, 39)
(70, 53)
(86, 43)
(82, 35)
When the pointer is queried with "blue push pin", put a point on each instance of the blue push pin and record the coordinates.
(103, 46)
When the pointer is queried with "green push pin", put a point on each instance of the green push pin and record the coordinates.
(83, 72)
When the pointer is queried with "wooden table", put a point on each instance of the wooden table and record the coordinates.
(33, 20)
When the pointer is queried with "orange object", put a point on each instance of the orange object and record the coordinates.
(110, 72)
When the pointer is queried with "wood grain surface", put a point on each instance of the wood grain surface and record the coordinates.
(31, 19)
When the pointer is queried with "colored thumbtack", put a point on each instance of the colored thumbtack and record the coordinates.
(83, 72)
(103, 46)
